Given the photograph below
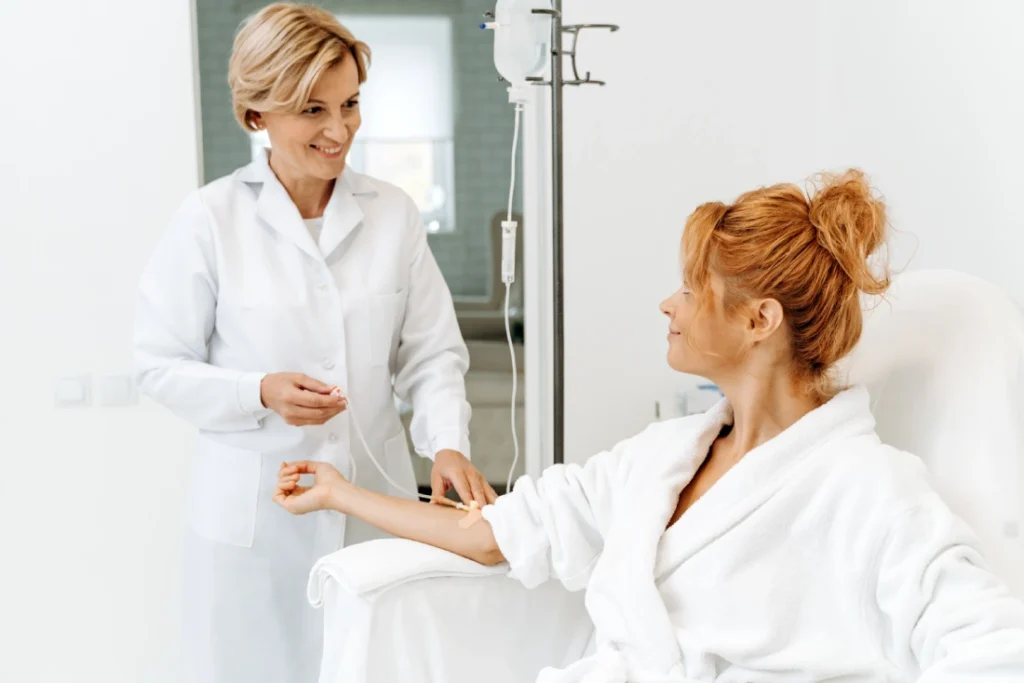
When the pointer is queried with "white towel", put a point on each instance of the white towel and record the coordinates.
(369, 569)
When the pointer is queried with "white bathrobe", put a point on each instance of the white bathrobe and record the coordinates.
(823, 555)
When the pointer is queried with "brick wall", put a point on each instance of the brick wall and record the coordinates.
(483, 122)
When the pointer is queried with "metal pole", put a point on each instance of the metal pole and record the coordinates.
(557, 215)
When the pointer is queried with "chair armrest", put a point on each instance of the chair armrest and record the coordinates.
(396, 610)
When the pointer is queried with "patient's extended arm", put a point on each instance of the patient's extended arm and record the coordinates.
(551, 526)
(431, 524)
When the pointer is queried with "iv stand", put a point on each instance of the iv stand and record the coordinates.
(557, 211)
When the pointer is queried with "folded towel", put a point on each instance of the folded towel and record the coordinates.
(371, 568)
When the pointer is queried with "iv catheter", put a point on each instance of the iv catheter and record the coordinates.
(336, 391)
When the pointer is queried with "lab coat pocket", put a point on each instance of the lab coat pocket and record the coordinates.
(224, 493)
(398, 463)
(386, 312)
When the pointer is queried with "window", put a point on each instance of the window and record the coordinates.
(407, 131)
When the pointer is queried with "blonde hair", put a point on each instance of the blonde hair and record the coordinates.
(810, 253)
(280, 53)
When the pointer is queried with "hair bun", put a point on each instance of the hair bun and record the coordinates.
(851, 225)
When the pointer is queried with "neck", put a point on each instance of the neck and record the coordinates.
(309, 194)
(763, 407)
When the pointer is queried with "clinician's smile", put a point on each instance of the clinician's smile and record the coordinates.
(329, 152)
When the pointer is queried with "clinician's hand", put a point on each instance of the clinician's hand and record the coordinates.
(451, 468)
(328, 483)
(299, 399)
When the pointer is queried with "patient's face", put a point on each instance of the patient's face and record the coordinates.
(705, 343)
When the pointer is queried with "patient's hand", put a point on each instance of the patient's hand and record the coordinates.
(298, 500)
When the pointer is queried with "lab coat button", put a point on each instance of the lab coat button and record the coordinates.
(328, 363)
(332, 438)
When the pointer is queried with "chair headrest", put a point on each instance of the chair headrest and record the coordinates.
(942, 355)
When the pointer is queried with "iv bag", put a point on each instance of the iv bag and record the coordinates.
(521, 39)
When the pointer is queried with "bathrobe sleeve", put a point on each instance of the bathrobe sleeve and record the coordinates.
(553, 528)
(951, 619)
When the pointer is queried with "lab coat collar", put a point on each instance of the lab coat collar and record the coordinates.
(343, 214)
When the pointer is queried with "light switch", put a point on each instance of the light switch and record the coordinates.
(115, 391)
(73, 392)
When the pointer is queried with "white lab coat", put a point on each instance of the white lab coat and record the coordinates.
(237, 288)
(823, 555)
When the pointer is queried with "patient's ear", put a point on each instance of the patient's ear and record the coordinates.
(763, 319)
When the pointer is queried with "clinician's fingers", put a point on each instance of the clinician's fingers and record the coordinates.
(307, 382)
(288, 499)
(335, 410)
(302, 467)
(476, 486)
(490, 493)
(297, 415)
(312, 399)
(307, 400)
(462, 487)
(436, 485)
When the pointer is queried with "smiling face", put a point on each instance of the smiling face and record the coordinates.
(773, 284)
(703, 339)
(314, 143)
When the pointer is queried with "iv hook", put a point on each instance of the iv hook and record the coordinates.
(574, 31)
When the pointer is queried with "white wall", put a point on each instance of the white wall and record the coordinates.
(98, 119)
(705, 100)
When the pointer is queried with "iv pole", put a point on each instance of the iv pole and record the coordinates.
(557, 82)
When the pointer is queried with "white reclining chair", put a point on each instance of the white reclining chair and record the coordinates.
(943, 357)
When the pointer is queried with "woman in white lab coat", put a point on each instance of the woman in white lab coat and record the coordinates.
(273, 285)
